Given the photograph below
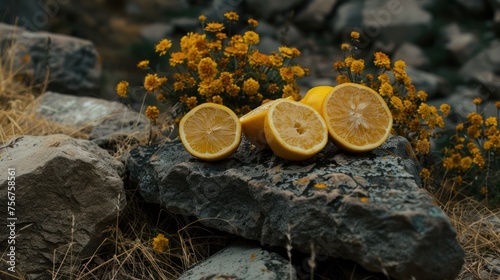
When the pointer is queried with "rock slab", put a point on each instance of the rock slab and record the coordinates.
(367, 208)
(72, 65)
(67, 191)
(242, 261)
(107, 122)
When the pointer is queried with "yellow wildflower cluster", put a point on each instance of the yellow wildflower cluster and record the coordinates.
(474, 149)
(413, 118)
(160, 243)
(220, 67)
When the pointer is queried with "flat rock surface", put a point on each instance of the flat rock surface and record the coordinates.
(367, 208)
(242, 261)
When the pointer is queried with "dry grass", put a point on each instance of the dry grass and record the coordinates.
(126, 253)
(478, 231)
(18, 104)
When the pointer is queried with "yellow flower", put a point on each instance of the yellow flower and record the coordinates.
(354, 35)
(479, 160)
(422, 95)
(497, 104)
(399, 70)
(160, 243)
(163, 46)
(491, 121)
(207, 68)
(460, 127)
(152, 113)
(122, 88)
(385, 89)
(251, 38)
(286, 74)
(152, 82)
(233, 90)
(338, 65)
(423, 146)
(191, 102)
(217, 99)
(487, 145)
(477, 101)
(475, 118)
(341, 79)
(202, 18)
(425, 173)
(298, 71)
(448, 163)
(358, 66)
(474, 131)
(253, 23)
(382, 60)
(232, 16)
(286, 52)
(177, 58)
(465, 163)
(214, 27)
(221, 36)
(424, 110)
(484, 190)
(445, 109)
(345, 47)
(397, 103)
(143, 64)
(272, 88)
(250, 86)
(383, 78)
(290, 90)
(276, 60)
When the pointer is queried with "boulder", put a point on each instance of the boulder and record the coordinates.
(412, 55)
(72, 65)
(484, 68)
(396, 21)
(67, 192)
(433, 84)
(242, 260)
(272, 7)
(461, 44)
(314, 15)
(367, 207)
(106, 121)
(156, 31)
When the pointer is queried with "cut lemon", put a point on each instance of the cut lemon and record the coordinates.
(315, 96)
(210, 131)
(252, 124)
(294, 131)
(357, 117)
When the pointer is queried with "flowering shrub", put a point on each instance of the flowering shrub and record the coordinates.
(470, 165)
(471, 162)
(413, 118)
(220, 67)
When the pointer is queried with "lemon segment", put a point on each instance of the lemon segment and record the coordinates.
(294, 131)
(357, 117)
(210, 132)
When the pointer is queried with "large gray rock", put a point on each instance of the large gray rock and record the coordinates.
(269, 8)
(314, 15)
(461, 44)
(67, 191)
(484, 68)
(388, 21)
(242, 261)
(368, 208)
(396, 21)
(72, 65)
(106, 121)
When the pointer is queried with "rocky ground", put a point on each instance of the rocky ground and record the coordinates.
(451, 48)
